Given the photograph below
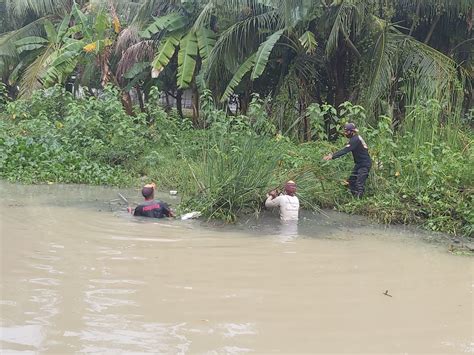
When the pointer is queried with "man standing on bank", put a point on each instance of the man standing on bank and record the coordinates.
(360, 153)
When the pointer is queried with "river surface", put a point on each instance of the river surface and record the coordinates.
(80, 275)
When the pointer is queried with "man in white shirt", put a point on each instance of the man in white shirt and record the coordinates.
(288, 202)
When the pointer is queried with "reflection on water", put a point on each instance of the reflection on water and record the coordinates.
(80, 275)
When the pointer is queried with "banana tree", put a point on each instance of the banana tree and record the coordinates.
(182, 42)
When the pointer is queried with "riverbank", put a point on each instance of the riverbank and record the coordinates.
(421, 175)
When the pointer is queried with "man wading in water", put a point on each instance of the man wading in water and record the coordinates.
(361, 156)
(288, 202)
(151, 207)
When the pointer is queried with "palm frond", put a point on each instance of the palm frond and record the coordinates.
(204, 18)
(436, 74)
(237, 78)
(430, 8)
(21, 8)
(146, 10)
(127, 37)
(308, 41)
(137, 53)
(32, 78)
(384, 59)
(263, 53)
(347, 18)
(239, 40)
(127, 9)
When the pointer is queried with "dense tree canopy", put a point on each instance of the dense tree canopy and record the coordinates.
(385, 55)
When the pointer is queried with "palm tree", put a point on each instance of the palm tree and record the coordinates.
(297, 52)
(349, 51)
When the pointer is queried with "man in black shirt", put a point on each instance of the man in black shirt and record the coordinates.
(151, 207)
(361, 156)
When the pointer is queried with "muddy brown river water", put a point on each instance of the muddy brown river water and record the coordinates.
(80, 275)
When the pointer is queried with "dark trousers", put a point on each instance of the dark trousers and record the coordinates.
(357, 180)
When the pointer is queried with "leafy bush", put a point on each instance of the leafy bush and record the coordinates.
(53, 137)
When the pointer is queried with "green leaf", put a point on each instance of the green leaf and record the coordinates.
(136, 79)
(82, 19)
(308, 41)
(206, 41)
(166, 51)
(186, 60)
(30, 43)
(239, 74)
(51, 33)
(188, 5)
(57, 74)
(31, 78)
(72, 30)
(101, 23)
(13, 78)
(261, 58)
(136, 69)
(30, 40)
(170, 23)
(63, 27)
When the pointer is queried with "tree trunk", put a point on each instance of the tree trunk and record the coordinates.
(140, 98)
(179, 102)
(432, 28)
(127, 103)
(244, 101)
(167, 101)
(195, 104)
(306, 127)
(415, 18)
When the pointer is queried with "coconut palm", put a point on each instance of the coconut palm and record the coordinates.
(356, 52)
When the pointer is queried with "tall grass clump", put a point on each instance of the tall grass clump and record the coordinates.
(230, 177)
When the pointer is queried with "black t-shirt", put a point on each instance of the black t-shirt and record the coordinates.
(153, 208)
(359, 149)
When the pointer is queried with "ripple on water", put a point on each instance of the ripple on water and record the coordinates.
(115, 333)
(30, 335)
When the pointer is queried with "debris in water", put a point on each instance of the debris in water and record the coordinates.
(190, 215)
(387, 294)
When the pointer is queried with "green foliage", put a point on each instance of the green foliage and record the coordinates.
(308, 41)
(237, 78)
(170, 22)
(186, 60)
(166, 51)
(231, 176)
(54, 138)
(263, 53)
